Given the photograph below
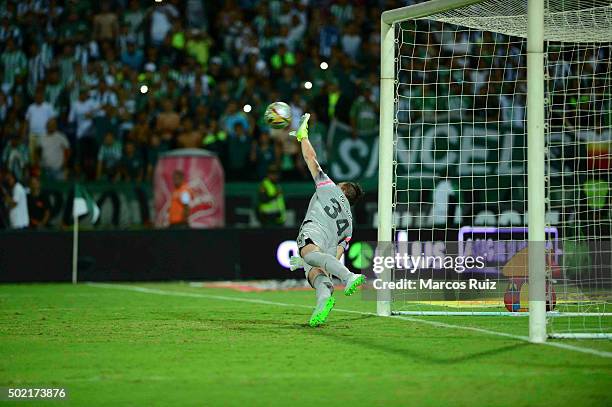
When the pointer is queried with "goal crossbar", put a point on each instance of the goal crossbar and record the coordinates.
(424, 9)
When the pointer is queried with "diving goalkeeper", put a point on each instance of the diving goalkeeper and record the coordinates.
(325, 232)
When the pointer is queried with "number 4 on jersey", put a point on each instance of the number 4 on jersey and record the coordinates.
(333, 212)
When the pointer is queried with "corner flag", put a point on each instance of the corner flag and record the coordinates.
(84, 204)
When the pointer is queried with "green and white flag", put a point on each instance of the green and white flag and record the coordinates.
(84, 204)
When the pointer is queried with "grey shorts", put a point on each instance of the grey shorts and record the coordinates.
(310, 233)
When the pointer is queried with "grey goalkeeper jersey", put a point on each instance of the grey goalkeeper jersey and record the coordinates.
(329, 221)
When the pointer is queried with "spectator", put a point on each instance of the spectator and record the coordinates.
(189, 137)
(66, 65)
(131, 164)
(38, 206)
(329, 36)
(105, 23)
(4, 107)
(263, 155)
(351, 41)
(239, 147)
(325, 103)
(9, 30)
(141, 130)
(168, 55)
(287, 84)
(104, 95)
(594, 207)
(177, 37)
(184, 109)
(11, 127)
(132, 57)
(82, 113)
(180, 201)
(72, 25)
(134, 18)
(37, 116)
(364, 112)
(156, 147)
(198, 46)
(220, 99)
(106, 121)
(168, 120)
(54, 152)
(215, 140)
(343, 11)
(13, 60)
(16, 158)
(109, 158)
(37, 66)
(15, 199)
(271, 206)
(54, 89)
(196, 14)
(197, 96)
(233, 117)
(162, 14)
(512, 108)
(282, 57)
(295, 34)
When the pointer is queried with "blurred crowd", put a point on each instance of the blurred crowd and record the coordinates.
(97, 90)
(449, 73)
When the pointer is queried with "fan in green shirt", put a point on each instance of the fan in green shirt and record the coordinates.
(364, 113)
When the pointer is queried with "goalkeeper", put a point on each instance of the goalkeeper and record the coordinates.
(325, 232)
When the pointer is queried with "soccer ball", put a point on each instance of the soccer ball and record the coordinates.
(278, 115)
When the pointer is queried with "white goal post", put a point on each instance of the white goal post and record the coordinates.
(539, 24)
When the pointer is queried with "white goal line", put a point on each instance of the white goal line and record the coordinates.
(501, 313)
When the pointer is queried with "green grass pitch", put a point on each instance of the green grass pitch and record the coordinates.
(177, 345)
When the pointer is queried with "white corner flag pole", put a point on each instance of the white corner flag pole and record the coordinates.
(75, 241)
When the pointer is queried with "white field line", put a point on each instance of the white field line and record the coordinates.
(600, 353)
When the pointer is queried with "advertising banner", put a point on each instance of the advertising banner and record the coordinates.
(427, 150)
(471, 151)
(205, 180)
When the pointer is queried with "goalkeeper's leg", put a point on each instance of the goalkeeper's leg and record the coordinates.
(324, 290)
(313, 256)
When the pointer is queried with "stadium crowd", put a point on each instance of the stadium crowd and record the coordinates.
(100, 94)
(98, 90)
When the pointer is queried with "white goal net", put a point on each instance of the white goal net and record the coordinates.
(460, 164)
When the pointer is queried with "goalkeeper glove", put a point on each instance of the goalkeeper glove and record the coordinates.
(302, 130)
(296, 262)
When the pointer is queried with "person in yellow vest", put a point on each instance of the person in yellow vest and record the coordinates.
(180, 201)
(271, 208)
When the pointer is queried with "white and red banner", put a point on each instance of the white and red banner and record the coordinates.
(205, 179)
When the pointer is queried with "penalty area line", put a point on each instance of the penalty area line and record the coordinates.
(145, 290)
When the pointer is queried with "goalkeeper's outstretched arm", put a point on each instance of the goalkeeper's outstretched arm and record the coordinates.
(310, 156)
(308, 152)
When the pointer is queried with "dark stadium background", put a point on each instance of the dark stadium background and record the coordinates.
(121, 83)
(76, 69)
